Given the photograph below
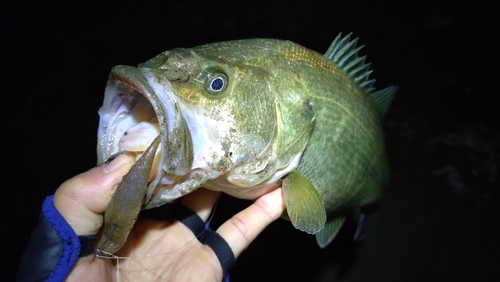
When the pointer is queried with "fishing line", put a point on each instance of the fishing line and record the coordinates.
(120, 274)
(105, 255)
(99, 250)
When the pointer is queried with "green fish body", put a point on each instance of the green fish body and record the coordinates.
(247, 116)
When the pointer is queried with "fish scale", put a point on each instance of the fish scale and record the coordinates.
(246, 116)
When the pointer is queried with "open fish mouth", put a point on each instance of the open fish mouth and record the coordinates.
(134, 112)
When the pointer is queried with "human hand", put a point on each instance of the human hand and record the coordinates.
(156, 250)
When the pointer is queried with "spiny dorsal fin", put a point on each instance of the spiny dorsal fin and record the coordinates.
(344, 53)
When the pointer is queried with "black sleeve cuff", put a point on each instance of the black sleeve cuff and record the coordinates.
(53, 249)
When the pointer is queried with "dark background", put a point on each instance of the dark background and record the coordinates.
(440, 214)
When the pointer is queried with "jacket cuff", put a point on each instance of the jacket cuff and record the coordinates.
(53, 248)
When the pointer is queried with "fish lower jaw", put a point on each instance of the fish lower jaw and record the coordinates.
(169, 187)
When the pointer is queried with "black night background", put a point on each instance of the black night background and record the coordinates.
(440, 214)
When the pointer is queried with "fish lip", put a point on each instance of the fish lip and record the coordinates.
(178, 145)
(131, 81)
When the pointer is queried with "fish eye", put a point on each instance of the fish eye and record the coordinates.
(216, 83)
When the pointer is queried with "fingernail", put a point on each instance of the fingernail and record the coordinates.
(113, 156)
(116, 161)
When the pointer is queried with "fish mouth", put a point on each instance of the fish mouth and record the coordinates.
(136, 109)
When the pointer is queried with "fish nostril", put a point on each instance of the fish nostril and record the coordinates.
(175, 70)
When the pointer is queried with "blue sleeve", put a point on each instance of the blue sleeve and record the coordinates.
(53, 249)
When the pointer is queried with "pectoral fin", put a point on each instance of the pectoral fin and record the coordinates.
(303, 203)
(327, 234)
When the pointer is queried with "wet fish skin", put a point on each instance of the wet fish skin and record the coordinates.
(283, 115)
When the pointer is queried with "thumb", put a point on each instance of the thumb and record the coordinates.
(82, 199)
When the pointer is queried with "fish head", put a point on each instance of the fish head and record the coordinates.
(216, 115)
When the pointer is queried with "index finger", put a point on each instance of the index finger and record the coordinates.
(245, 226)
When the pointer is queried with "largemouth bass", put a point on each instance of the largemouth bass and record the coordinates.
(244, 117)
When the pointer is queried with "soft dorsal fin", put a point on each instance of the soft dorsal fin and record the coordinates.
(383, 98)
(344, 53)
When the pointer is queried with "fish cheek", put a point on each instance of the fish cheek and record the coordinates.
(254, 111)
